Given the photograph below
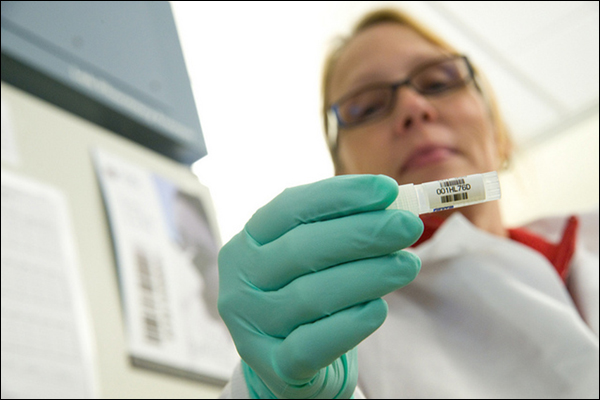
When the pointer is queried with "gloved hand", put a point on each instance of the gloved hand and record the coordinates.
(301, 285)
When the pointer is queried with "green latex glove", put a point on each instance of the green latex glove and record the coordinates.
(301, 286)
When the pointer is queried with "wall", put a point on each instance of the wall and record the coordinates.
(557, 176)
(53, 148)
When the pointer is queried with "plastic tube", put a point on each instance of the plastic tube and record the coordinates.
(447, 194)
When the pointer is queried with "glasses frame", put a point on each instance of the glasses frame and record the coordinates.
(334, 122)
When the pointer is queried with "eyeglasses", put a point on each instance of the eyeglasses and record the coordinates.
(377, 101)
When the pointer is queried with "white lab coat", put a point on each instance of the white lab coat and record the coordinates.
(487, 317)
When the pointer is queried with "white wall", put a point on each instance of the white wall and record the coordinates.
(557, 176)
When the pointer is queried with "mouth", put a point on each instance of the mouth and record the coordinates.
(427, 156)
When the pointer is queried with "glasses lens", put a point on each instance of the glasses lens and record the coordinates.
(365, 105)
(442, 76)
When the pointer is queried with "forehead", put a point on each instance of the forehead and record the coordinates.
(385, 52)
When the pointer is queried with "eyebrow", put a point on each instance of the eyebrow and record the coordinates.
(365, 79)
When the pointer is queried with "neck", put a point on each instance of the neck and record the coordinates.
(485, 216)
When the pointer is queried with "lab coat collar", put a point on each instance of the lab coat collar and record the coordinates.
(454, 237)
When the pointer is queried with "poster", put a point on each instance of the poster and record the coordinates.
(166, 254)
(47, 349)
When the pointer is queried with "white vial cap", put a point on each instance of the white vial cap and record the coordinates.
(491, 185)
(407, 199)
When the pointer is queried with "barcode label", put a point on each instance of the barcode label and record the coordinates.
(455, 197)
(156, 320)
(454, 192)
(452, 182)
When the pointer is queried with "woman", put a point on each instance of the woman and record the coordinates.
(488, 316)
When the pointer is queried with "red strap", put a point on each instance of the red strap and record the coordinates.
(566, 247)
(431, 223)
(559, 254)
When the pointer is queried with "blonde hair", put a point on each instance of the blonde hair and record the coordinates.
(389, 15)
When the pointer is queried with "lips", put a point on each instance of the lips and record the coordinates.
(426, 156)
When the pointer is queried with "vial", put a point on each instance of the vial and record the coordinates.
(447, 194)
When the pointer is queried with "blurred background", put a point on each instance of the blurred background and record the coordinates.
(255, 69)
(96, 105)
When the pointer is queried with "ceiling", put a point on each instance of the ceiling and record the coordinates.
(542, 58)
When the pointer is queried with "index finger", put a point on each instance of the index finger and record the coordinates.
(327, 199)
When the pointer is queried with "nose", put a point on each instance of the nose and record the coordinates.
(412, 110)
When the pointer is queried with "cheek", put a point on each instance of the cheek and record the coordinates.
(470, 110)
(476, 135)
(361, 153)
(472, 117)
